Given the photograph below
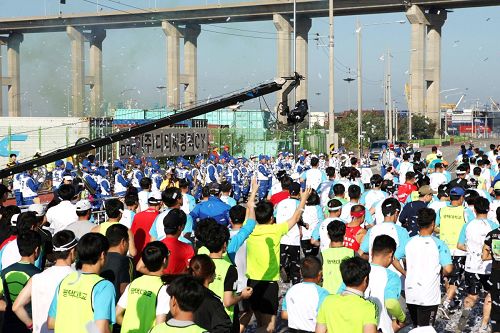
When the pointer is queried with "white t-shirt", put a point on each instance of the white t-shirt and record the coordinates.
(284, 211)
(43, 287)
(312, 216)
(313, 178)
(162, 301)
(61, 215)
(346, 211)
(473, 235)
(127, 218)
(302, 302)
(240, 260)
(436, 179)
(10, 254)
(371, 197)
(324, 239)
(143, 200)
(425, 256)
(437, 205)
(492, 214)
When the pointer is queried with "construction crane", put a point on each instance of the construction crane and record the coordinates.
(459, 101)
(234, 99)
(495, 104)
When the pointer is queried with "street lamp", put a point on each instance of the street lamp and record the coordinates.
(349, 79)
(161, 89)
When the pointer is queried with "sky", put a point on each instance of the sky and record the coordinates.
(134, 59)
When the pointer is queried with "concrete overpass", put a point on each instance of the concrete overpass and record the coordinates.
(425, 16)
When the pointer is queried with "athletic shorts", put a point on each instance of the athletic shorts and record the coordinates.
(422, 315)
(474, 282)
(455, 277)
(264, 298)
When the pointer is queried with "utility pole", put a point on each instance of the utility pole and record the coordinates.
(386, 109)
(331, 106)
(389, 97)
(294, 150)
(360, 86)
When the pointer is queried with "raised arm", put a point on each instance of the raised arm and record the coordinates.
(251, 199)
(298, 212)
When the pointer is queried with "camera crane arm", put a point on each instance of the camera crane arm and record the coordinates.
(198, 110)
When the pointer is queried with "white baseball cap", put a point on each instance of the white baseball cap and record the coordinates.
(83, 205)
(39, 209)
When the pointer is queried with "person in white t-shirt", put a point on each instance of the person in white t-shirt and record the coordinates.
(319, 235)
(426, 256)
(302, 301)
(375, 194)
(437, 178)
(314, 176)
(477, 271)
(64, 213)
(40, 289)
(290, 243)
(145, 193)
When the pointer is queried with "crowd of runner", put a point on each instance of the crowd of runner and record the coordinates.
(323, 242)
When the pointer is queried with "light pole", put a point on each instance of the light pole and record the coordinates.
(294, 150)
(359, 74)
(331, 64)
(360, 85)
(161, 89)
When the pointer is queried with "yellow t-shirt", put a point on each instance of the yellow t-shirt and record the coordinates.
(430, 157)
(263, 251)
(349, 313)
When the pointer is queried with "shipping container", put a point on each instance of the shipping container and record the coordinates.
(25, 136)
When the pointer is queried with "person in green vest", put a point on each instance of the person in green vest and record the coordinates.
(16, 276)
(84, 301)
(226, 275)
(114, 209)
(449, 222)
(333, 256)
(145, 302)
(186, 295)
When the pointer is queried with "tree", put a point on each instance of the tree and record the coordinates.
(421, 128)
(372, 126)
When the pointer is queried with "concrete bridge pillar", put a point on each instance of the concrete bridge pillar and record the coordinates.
(173, 34)
(77, 70)
(418, 22)
(284, 28)
(3, 81)
(13, 81)
(433, 64)
(96, 94)
(303, 27)
(425, 63)
(191, 33)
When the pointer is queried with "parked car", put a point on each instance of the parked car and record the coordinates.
(377, 147)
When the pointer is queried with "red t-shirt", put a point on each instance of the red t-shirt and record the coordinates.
(405, 190)
(280, 196)
(180, 254)
(140, 229)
